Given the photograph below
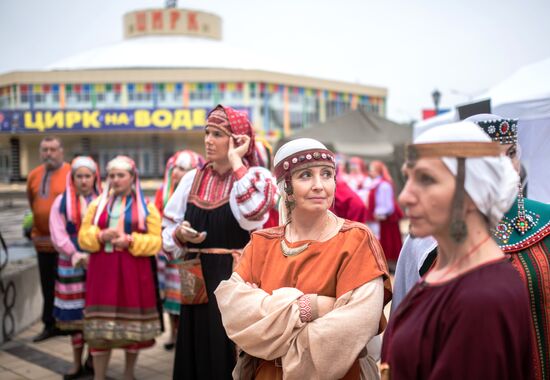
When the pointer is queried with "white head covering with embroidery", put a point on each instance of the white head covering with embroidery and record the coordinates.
(293, 155)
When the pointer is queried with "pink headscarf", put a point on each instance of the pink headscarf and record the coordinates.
(187, 160)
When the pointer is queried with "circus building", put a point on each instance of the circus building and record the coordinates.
(148, 95)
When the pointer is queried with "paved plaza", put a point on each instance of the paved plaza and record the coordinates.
(22, 359)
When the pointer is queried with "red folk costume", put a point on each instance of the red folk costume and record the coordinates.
(264, 152)
(122, 307)
(381, 202)
(347, 203)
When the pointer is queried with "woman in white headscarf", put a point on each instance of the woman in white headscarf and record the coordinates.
(307, 296)
(468, 317)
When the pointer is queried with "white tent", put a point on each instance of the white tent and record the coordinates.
(526, 96)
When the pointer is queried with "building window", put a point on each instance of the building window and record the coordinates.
(38, 98)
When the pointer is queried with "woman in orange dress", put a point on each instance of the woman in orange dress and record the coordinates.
(307, 296)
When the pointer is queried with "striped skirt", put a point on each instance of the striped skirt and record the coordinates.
(70, 293)
(172, 287)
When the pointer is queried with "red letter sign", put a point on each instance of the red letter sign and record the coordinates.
(192, 23)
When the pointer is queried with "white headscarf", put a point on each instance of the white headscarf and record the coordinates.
(491, 182)
(83, 161)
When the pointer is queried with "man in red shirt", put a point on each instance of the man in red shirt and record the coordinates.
(44, 184)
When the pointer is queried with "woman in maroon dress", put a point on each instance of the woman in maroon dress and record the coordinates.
(468, 318)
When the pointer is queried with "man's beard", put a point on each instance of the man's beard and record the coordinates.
(50, 163)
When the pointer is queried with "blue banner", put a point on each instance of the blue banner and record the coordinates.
(105, 120)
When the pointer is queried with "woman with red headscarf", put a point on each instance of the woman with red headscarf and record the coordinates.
(208, 220)
(68, 210)
(177, 166)
(122, 232)
(383, 212)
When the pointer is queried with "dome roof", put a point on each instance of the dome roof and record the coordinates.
(154, 52)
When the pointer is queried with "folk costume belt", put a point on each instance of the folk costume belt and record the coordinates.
(214, 251)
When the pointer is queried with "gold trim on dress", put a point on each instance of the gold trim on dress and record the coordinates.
(287, 251)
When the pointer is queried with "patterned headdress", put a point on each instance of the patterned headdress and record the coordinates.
(499, 129)
(233, 122)
(72, 204)
(124, 163)
(504, 131)
(185, 159)
(294, 155)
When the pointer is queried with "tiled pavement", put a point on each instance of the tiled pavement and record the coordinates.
(21, 359)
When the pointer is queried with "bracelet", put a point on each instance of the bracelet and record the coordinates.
(304, 303)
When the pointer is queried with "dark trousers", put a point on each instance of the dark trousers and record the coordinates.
(47, 264)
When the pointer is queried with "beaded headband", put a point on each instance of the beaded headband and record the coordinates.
(503, 131)
(304, 158)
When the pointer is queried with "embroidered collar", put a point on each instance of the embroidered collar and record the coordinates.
(513, 233)
(210, 189)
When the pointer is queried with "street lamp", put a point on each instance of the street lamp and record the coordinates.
(436, 96)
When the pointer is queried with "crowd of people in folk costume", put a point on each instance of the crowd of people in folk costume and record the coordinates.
(274, 267)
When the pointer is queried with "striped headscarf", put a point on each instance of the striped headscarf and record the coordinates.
(264, 153)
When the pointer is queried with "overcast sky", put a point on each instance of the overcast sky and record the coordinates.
(410, 47)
